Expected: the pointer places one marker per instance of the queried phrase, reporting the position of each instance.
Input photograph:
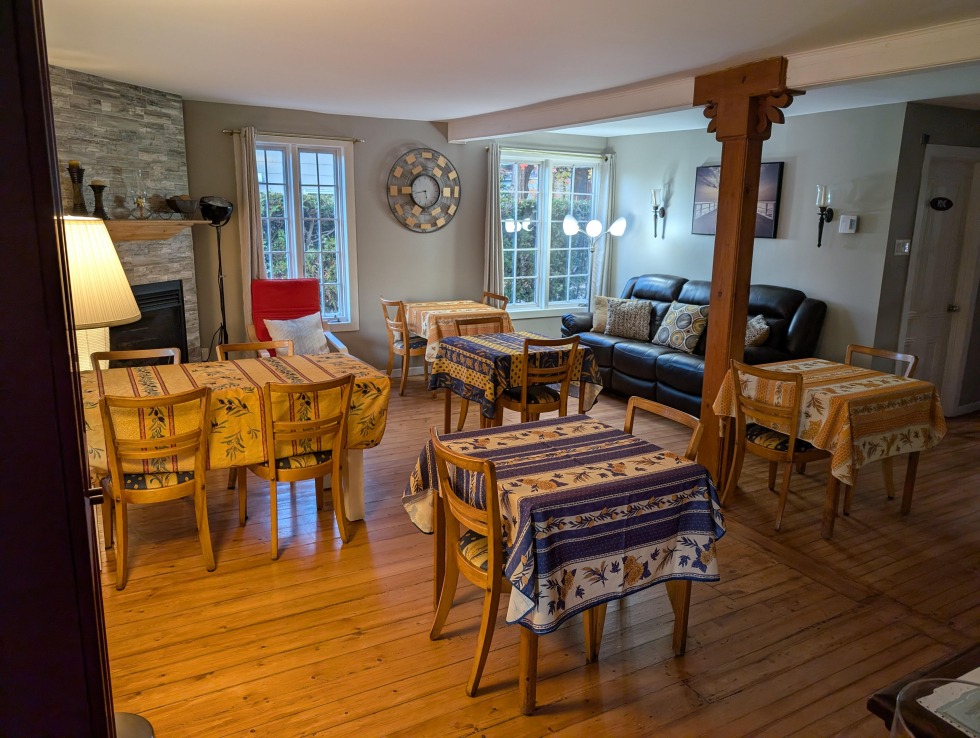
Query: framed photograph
(706, 200)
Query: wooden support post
(742, 104)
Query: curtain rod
(584, 154)
(232, 131)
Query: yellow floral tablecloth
(857, 414)
(435, 320)
(236, 437)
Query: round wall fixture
(423, 190)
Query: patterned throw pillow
(601, 314)
(756, 331)
(629, 319)
(682, 326)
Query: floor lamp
(100, 293)
(217, 210)
(593, 231)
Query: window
(543, 268)
(306, 205)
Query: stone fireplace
(162, 323)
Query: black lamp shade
(215, 209)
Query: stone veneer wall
(114, 130)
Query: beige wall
(855, 152)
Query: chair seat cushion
(414, 342)
(301, 461)
(537, 394)
(774, 440)
(473, 548)
(156, 480)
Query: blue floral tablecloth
(589, 513)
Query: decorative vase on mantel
(76, 174)
(98, 187)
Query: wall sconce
(659, 211)
(826, 213)
(515, 226)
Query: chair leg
(232, 477)
(203, 528)
(773, 468)
(391, 363)
(734, 473)
(449, 580)
(242, 495)
(339, 509)
(464, 406)
(274, 518)
(122, 542)
(401, 390)
(319, 484)
(783, 494)
(107, 515)
(487, 624)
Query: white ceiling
(440, 60)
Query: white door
(942, 280)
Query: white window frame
(547, 160)
(346, 235)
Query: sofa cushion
(685, 372)
(601, 345)
(654, 287)
(756, 331)
(682, 326)
(601, 314)
(629, 319)
(638, 359)
(695, 292)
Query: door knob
(952, 308)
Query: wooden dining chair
(260, 348)
(135, 355)
(779, 404)
(156, 451)
(495, 300)
(305, 429)
(473, 539)
(910, 362)
(678, 416)
(471, 327)
(401, 341)
(534, 395)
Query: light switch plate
(848, 224)
(902, 247)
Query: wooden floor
(332, 640)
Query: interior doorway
(939, 316)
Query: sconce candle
(659, 211)
(826, 213)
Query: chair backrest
(557, 372)
(460, 508)
(157, 435)
(135, 357)
(775, 401)
(495, 300)
(282, 299)
(670, 413)
(303, 418)
(479, 326)
(262, 348)
(911, 360)
(394, 314)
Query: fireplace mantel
(148, 230)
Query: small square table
(590, 514)
(436, 320)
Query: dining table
(480, 368)
(590, 514)
(236, 436)
(858, 415)
(437, 320)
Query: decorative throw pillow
(756, 331)
(629, 319)
(306, 333)
(682, 326)
(600, 315)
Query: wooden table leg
(679, 593)
(595, 619)
(528, 670)
(830, 502)
(438, 550)
(448, 412)
(910, 470)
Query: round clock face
(423, 190)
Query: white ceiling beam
(925, 48)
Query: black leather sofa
(661, 373)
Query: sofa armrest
(572, 323)
(804, 330)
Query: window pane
(557, 289)
(583, 179)
(327, 208)
(578, 261)
(331, 303)
(526, 263)
(280, 268)
(311, 235)
(577, 289)
(558, 262)
(524, 289)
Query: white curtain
(249, 222)
(493, 268)
(602, 261)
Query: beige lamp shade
(100, 293)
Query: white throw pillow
(306, 333)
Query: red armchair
(285, 299)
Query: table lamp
(100, 293)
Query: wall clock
(423, 190)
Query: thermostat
(848, 224)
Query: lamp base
(88, 342)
